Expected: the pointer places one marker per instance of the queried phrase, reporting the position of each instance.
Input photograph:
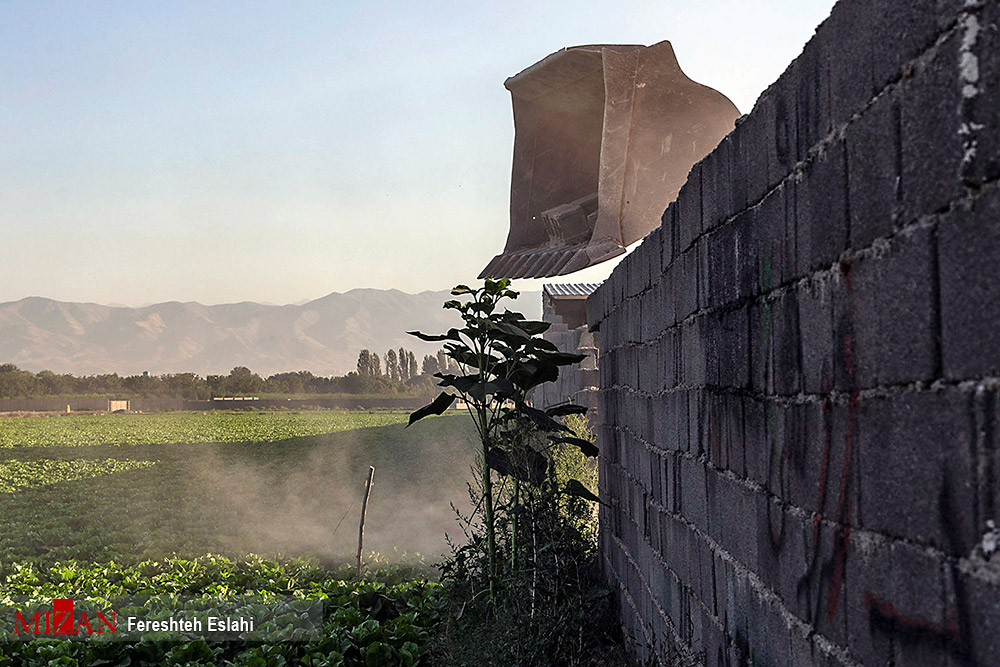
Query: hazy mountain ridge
(322, 336)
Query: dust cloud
(304, 496)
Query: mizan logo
(62, 621)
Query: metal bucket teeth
(555, 257)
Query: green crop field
(138, 502)
(187, 427)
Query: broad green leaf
(512, 330)
(586, 446)
(497, 287)
(432, 338)
(530, 374)
(497, 387)
(542, 420)
(436, 407)
(566, 409)
(464, 383)
(485, 308)
(535, 327)
(542, 344)
(464, 355)
(564, 358)
(575, 488)
(530, 469)
(504, 388)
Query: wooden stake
(364, 511)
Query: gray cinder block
(969, 252)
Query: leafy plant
(501, 357)
(552, 608)
(16, 475)
(377, 621)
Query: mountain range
(323, 336)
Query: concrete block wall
(798, 403)
(578, 383)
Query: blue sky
(275, 151)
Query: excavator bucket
(604, 138)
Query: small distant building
(118, 405)
(565, 307)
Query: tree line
(402, 366)
(393, 374)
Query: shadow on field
(286, 497)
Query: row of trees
(241, 381)
(401, 366)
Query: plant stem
(534, 561)
(514, 522)
(491, 544)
